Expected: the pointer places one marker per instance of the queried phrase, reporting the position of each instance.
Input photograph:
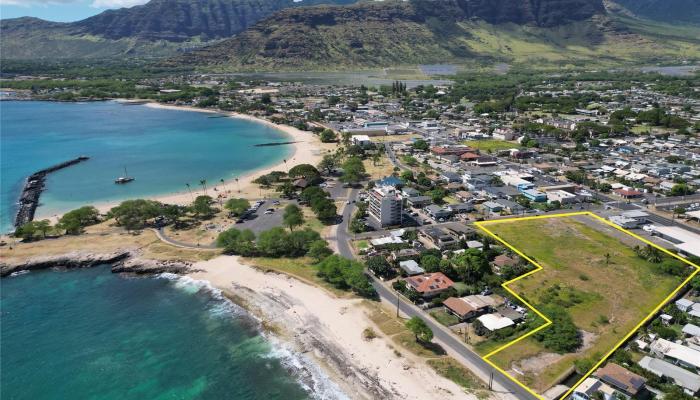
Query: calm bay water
(162, 149)
(91, 334)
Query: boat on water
(124, 179)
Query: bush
(379, 266)
(319, 250)
(237, 206)
(345, 274)
(134, 214)
(562, 336)
(238, 242)
(33, 230)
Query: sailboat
(124, 179)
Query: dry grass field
(592, 271)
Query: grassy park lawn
(491, 146)
(606, 297)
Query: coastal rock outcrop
(76, 259)
(121, 261)
(146, 266)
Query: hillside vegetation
(158, 28)
(450, 31)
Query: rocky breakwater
(121, 261)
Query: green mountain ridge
(158, 28)
(265, 35)
(446, 31)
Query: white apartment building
(385, 206)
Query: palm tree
(203, 182)
(189, 189)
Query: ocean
(91, 334)
(163, 149)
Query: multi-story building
(385, 206)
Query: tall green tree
(74, 221)
(237, 206)
(353, 170)
(202, 206)
(293, 216)
(420, 329)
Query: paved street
(444, 337)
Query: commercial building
(385, 206)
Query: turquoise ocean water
(91, 334)
(162, 149)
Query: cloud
(117, 3)
(95, 3)
(28, 3)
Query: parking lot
(260, 221)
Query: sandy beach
(329, 330)
(306, 150)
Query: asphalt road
(449, 342)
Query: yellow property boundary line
(548, 322)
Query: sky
(60, 10)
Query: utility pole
(491, 381)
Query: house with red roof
(429, 285)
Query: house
(691, 330)
(561, 196)
(449, 177)
(429, 285)
(534, 195)
(405, 254)
(437, 213)
(511, 206)
(684, 305)
(622, 380)
(475, 244)
(494, 322)
(463, 196)
(628, 193)
(439, 238)
(503, 260)
(469, 307)
(687, 380)
(360, 140)
(385, 241)
(492, 207)
(411, 267)
(460, 208)
(419, 201)
(456, 150)
(390, 181)
(589, 387)
(408, 192)
(679, 354)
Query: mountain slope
(671, 11)
(438, 31)
(157, 28)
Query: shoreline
(241, 186)
(329, 331)
(322, 334)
